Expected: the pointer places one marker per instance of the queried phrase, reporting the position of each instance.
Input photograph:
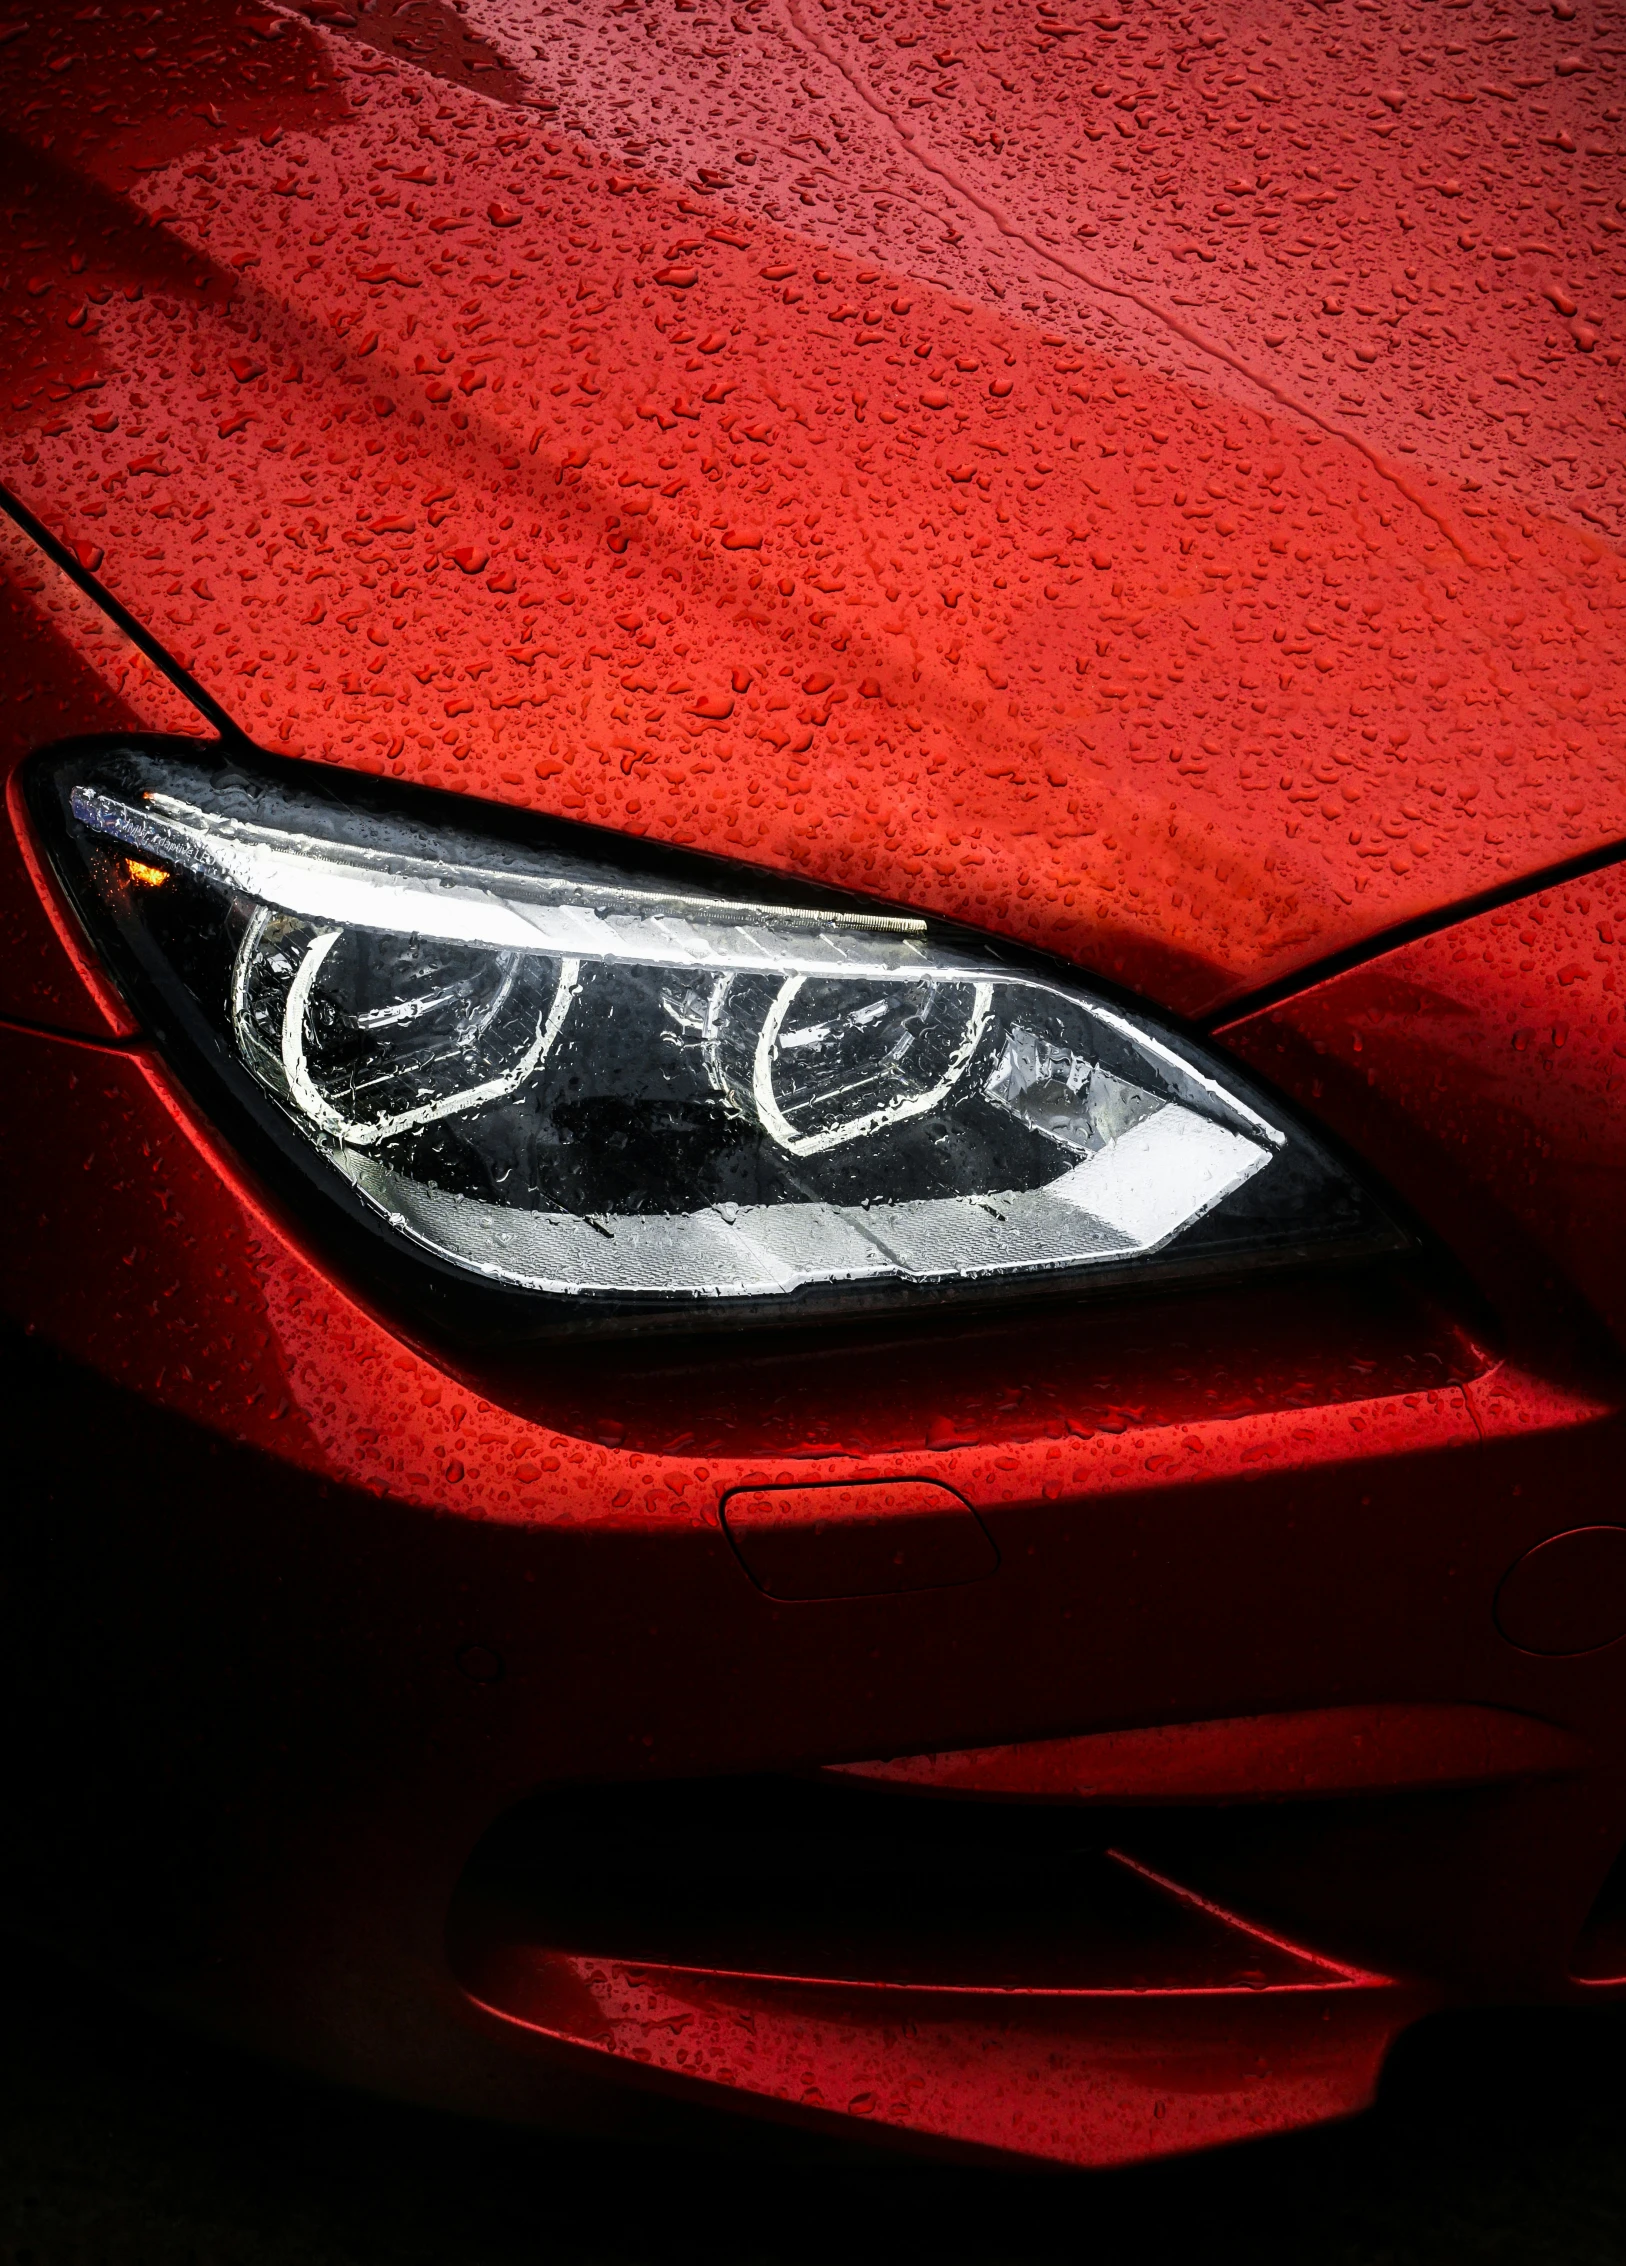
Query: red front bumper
(304, 1620)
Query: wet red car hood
(1148, 490)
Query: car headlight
(563, 1063)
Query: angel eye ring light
(580, 1081)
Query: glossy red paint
(501, 403)
(1111, 2071)
(1479, 1070)
(1148, 630)
(69, 672)
(1258, 1758)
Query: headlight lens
(634, 1083)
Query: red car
(815, 1241)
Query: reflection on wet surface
(1145, 484)
(1498, 2138)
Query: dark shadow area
(783, 1876)
(1497, 2138)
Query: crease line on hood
(1316, 972)
(1109, 287)
(83, 578)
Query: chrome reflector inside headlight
(641, 1081)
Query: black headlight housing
(536, 1076)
